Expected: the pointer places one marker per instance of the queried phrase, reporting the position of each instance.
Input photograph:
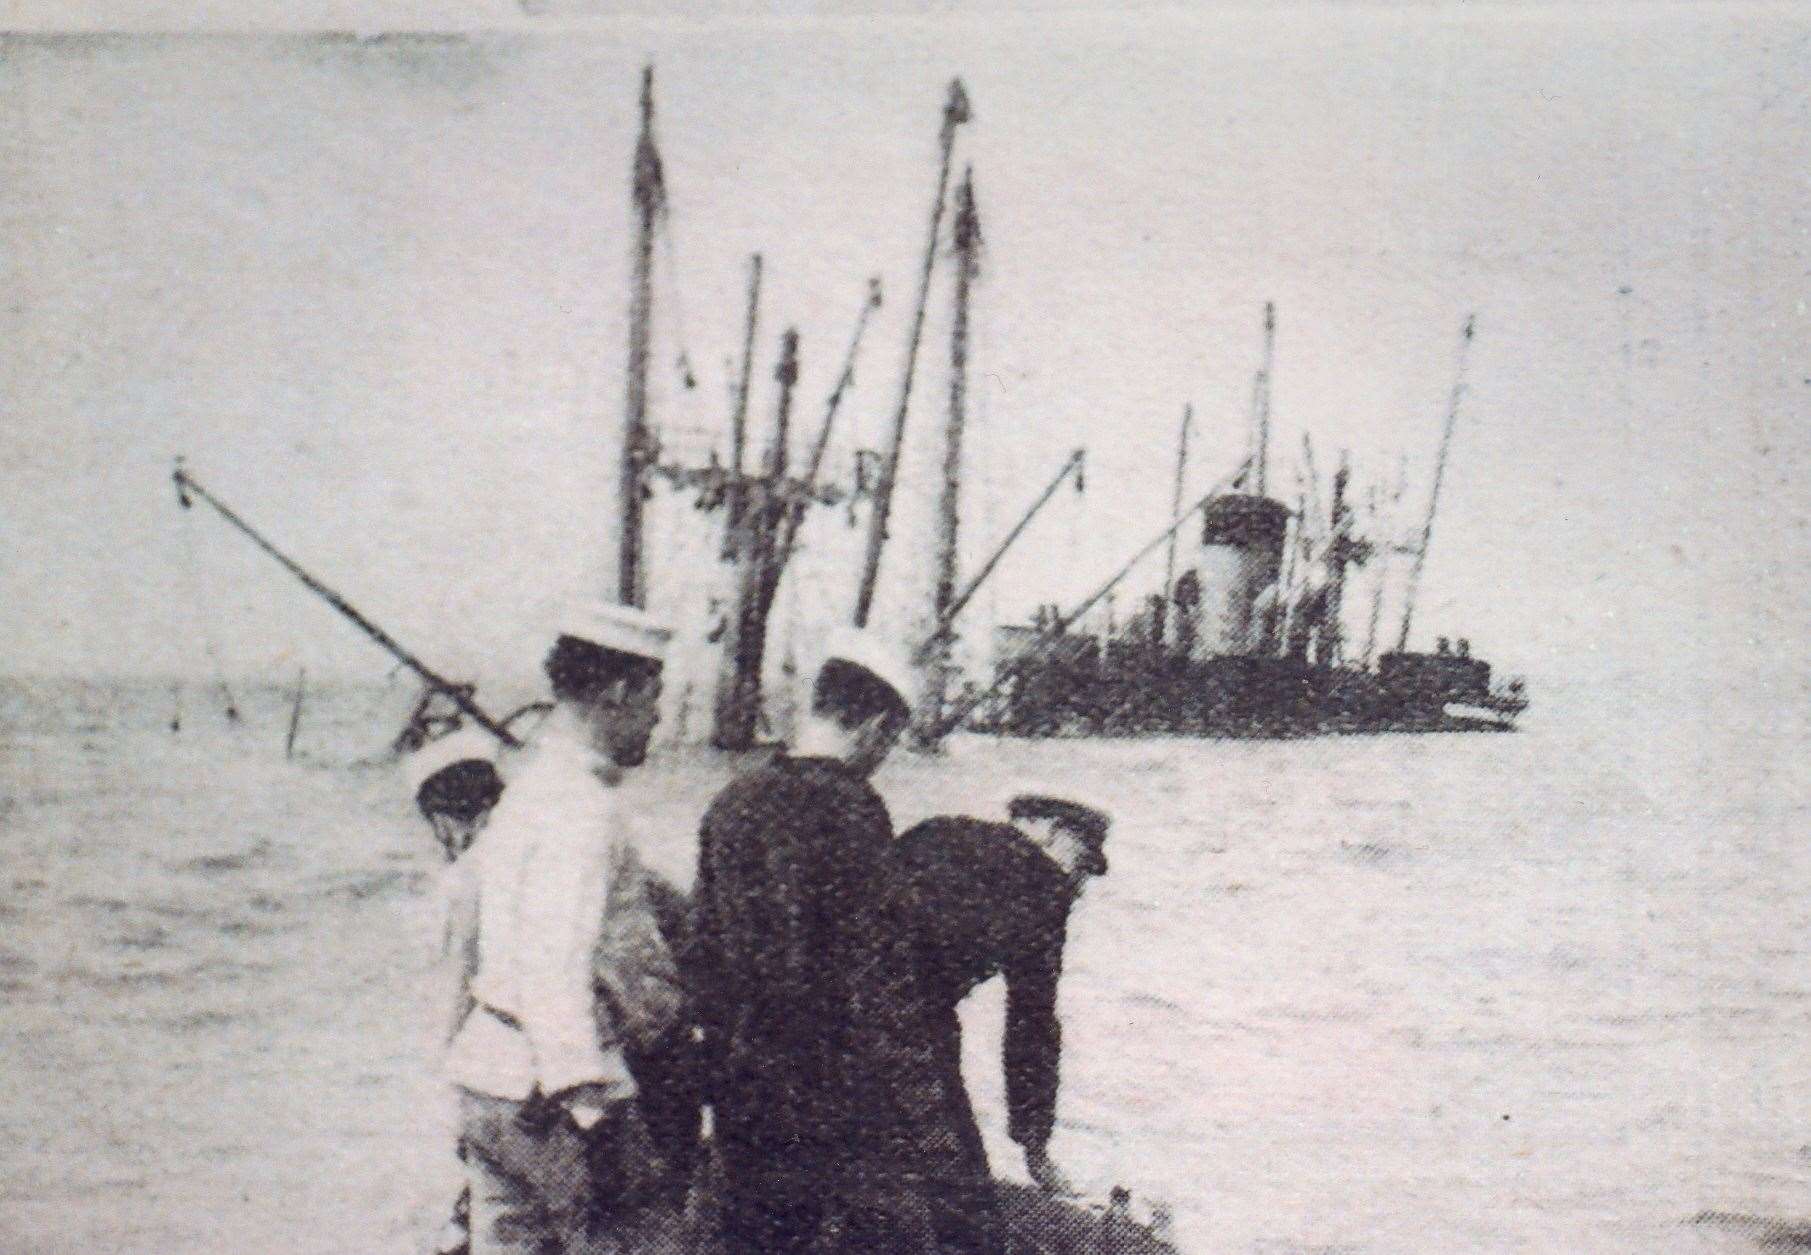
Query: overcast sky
(375, 289)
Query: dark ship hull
(1083, 690)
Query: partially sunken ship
(1247, 637)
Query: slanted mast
(1433, 497)
(955, 113)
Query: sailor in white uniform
(541, 1074)
(456, 783)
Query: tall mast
(1340, 552)
(1260, 438)
(738, 420)
(955, 113)
(1169, 562)
(649, 196)
(1290, 604)
(1391, 546)
(745, 649)
(1433, 499)
(968, 250)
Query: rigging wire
(204, 622)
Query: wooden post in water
(295, 714)
(968, 255)
(649, 196)
(955, 113)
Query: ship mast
(738, 419)
(801, 501)
(1073, 466)
(1433, 500)
(1392, 546)
(1342, 549)
(955, 113)
(1260, 402)
(1169, 562)
(763, 537)
(764, 512)
(968, 250)
(649, 197)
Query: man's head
(1071, 834)
(606, 669)
(457, 799)
(861, 701)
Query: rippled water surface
(1545, 992)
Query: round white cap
(625, 629)
(443, 751)
(888, 661)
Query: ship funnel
(1240, 560)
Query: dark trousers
(924, 1190)
(931, 1171)
(671, 1103)
(772, 1200)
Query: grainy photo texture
(996, 630)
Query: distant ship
(1242, 643)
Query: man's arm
(458, 948)
(564, 890)
(1034, 1045)
(702, 960)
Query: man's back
(781, 908)
(982, 900)
(977, 900)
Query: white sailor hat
(444, 751)
(887, 661)
(624, 629)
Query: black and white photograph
(905, 628)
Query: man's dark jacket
(783, 908)
(970, 900)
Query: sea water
(1544, 992)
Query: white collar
(566, 740)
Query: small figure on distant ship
(969, 900)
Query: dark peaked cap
(1086, 822)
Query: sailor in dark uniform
(783, 924)
(977, 899)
